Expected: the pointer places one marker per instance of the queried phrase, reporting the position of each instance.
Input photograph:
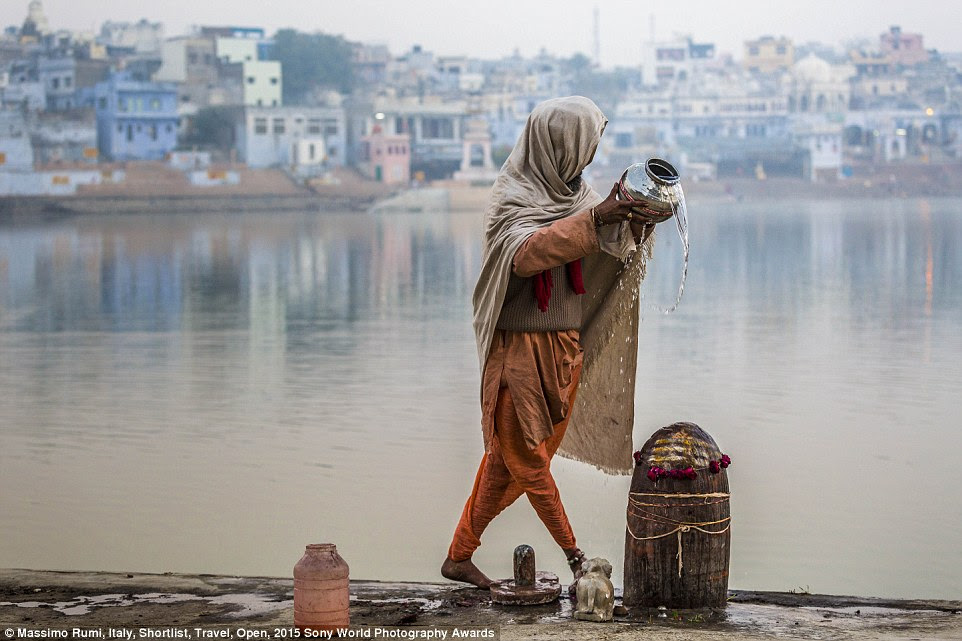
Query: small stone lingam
(528, 587)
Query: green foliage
(212, 128)
(606, 88)
(311, 61)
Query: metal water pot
(652, 181)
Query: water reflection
(208, 393)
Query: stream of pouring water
(680, 213)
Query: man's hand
(611, 210)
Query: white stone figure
(596, 594)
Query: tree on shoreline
(312, 61)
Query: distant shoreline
(459, 197)
(24, 209)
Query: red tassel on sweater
(542, 289)
(543, 283)
(575, 276)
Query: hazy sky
(496, 27)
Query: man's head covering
(536, 186)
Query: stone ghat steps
(46, 599)
(159, 179)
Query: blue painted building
(135, 120)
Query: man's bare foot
(466, 572)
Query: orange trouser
(509, 470)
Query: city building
(820, 137)
(813, 85)
(64, 137)
(191, 63)
(258, 82)
(63, 78)
(902, 48)
(670, 60)
(23, 90)
(135, 120)
(435, 128)
(386, 157)
(891, 134)
(16, 153)
(142, 38)
(370, 63)
(768, 54)
(35, 27)
(303, 139)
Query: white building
(665, 61)
(813, 85)
(303, 139)
(821, 136)
(16, 153)
(892, 134)
(143, 37)
(190, 62)
(260, 80)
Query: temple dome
(812, 69)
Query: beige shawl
(531, 191)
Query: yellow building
(768, 54)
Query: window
(120, 129)
(313, 125)
(404, 125)
(153, 132)
(753, 51)
(101, 103)
(437, 128)
(260, 125)
(169, 128)
(67, 81)
(122, 104)
(274, 81)
(130, 133)
(250, 80)
(55, 83)
(155, 104)
(330, 130)
(192, 58)
(780, 50)
(279, 125)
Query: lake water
(209, 393)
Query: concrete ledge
(45, 599)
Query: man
(529, 315)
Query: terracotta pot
(321, 594)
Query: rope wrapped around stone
(681, 527)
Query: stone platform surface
(181, 605)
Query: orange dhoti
(510, 466)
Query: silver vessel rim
(661, 171)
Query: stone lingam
(528, 587)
